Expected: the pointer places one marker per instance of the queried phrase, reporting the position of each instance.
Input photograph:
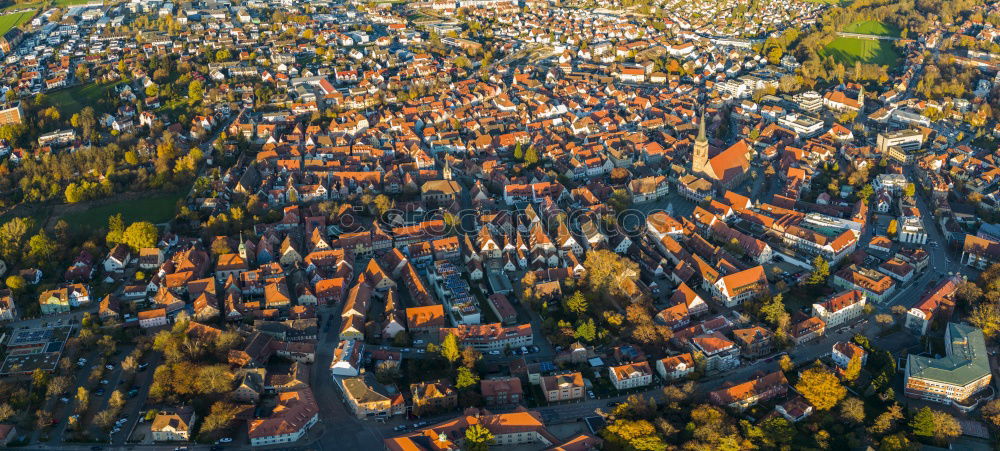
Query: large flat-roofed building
(809, 101)
(34, 349)
(907, 140)
(803, 125)
(958, 377)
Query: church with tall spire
(700, 157)
(727, 168)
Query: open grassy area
(40, 214)
(872, 27)
(156, 208)
(64, 3)
(8, 21)
(38, 5)
(73, 99)
(849, 50)
(21, 6)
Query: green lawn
(8, 21)
(63, 3)
(40, 214)
(849, 50)
(71, 100)
(20, 6)
(39, 5)
(157, 209)
(872, 27)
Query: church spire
(700, 151)
(701, 128)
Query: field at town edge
(71, 100)
(872, 27)
(847, 50)
(8, 21)
(156, 209)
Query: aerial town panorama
(490, 225)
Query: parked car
(225, 440)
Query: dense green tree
(576, 303)
(821, 388)
(41, 248)
(897, 442)
(852, 410)
(116, 230)
(639, 435)
(586, 331)
(82, 398)
(610, 274)
(923, 423)
(466, 378)
(887, 420)
(450, 350)
(196, 91)
(946, 427)
(774, 313)
(778, 431)
(531, 156)
(986, 316)
(140, 234)
(821, 270)
(221, 416)
(478, 438)
(470, 357)
(12, 236)
(853, 368)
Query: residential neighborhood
(525, 224)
